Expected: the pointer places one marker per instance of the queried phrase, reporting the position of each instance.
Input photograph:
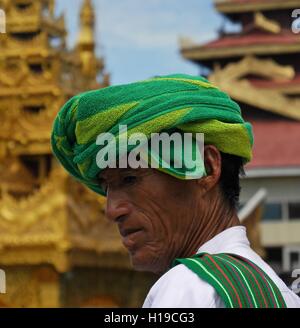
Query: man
(174, 221)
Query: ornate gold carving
(260, 20)
(22, 128)
(42, 219)
(10, 169)
(31, 287)
(233, 79)
(28, 17)
(60, 216)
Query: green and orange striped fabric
(238, 281)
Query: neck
(218, 217)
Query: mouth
(126, 232)
(131, 238)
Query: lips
(131, 238)
(126, 232)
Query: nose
(116, 206)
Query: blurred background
(56, 247)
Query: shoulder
(181, 287)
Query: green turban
(164, 103)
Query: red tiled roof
(255, 38)
(276, 144)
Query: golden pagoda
(56, 247)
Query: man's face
(155, 213)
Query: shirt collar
(226, 241)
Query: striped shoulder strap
(238, 281)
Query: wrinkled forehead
(110, 173)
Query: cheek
(153, 221)
(161, 217)
(162, 231)
(160, 211)
(148, 210)
(156, 227)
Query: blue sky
(139, 39)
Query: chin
(142, 263)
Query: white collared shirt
(180, 287)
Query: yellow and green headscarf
(164, 103)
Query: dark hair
(232, 167)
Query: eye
(129, 180)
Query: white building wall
(279, 189)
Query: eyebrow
(120, 171)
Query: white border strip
(272, 172)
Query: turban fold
(164, 103)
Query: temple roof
(273, 146)
(288, 86)
(240, 6)
(238, 45)
(261, 84)
(32, 16)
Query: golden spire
(86, 40)
(51, 7)
(87, 20)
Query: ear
(212, 162)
